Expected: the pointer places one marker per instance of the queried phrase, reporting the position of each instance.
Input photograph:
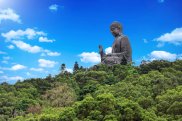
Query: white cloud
(179, 56)
(15, 67)
(34, 49)
(5, 61)
(30, 75)
(50, 53)
(16, 39)
(69, 70)
(162, 55)
(22, 34)
(3, 53)
(174, 37)
(13, 78)
(53, 54)
(6, 58)
(108, 50)
(9, 14)
(1, 72)
(10, 46)
(26, 47)
(46, 63)
(53, 7)
(45, 39)
(37, 69)
(91, 57)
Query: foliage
(60, 96)
(149, 92)
(170, 102)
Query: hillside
(149, 92)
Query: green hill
(149, 92)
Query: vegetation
(149, 92)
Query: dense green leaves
(150, 92)
(170, 102)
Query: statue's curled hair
(116, 24)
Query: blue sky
(37, 36)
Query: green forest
(148, 92)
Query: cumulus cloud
(3, 53)
(108, 50)
(37, 69)
(90, 57)
(50, 53)
(69, 70)
(10, 46)
(9, 14)
(15, 67)
(16, 37)
(53, 54)
(174, 37)
(53, 7)
(22, 34)
(26, 47)
(162, 55)
(179, 57)
(6, 58)
(46, 63)
(45, 39)
(13, 78)
(5, 61)
(33, 49)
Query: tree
(34, 109)
(60, 96)
(49, 78)
(76, 67)
(150, 92)
(63, 68)
(170, 102)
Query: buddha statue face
(115, 29)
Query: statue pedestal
(113, 58)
